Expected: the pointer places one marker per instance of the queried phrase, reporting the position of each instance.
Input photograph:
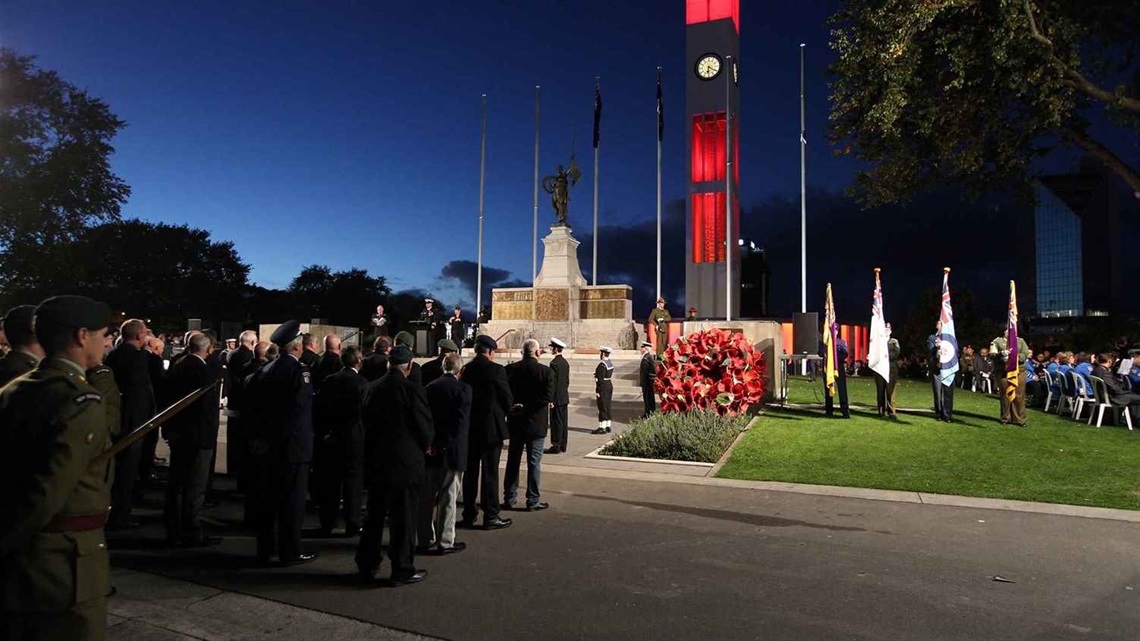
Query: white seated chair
(986, 381)
(1081, 395)
(1100, 393)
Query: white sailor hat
(646, 344)
(605, 349)
(554, 342)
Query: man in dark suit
(329, 362)
(280, 400)
(309, 356)
(560, 370)
(450, 403)
(532, 388)
(26, 351)
(338, 452)
(407, 340)
(192, 435)
(1118, 394)
(646, 377)
(129, 363)
(434, 369)
(436, 325)
(491, 400)
(237, 362)
(376, 365)
(156, 369)
(398, 431)
(840, 379)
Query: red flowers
(711, 370)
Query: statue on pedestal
(558, 186)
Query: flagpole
(728, 240)
(482, 175)
(594, 268)
(534, 257)
(659, 120)
(803, 197)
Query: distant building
(754, 280)
(1083, 234)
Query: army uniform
(1011, 412)
(54, 565)
(659, 325)
(17, 362)
(604, 391)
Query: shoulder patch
(307, 376)
(83, 398)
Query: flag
(878, 358)
(660, 109)
(830, 341)
(948, 350)
(597, 112)
(1011, 338)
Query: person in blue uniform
(646, 377)
(943, 394)
(559, 427)
(840, 380)
(604, 391)
(280, 397)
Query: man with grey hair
(132, 375)
(532, 387)
(329, 362)
(450, 402)
(237, 363)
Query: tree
(167, 273)
(973, 92)
(55, 175)
(345, 298)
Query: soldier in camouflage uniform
(999, 349)
(54, 567)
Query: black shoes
(496, 523)
(454, 549)
(537, 506)
(600, 430)
(506, 506)
(465, 524)
(553, 450)
(408, 579)
(304, 558)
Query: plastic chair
(1051, 382)
(1081, 397)
(1068, 394)
(987, 382)
(1100, 393)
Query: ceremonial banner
(877, 357)
(948, 351)
(830, 341)
(1014, 358)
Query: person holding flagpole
(1012, 349)
(834, 354)
(878, 356)
(943, 346)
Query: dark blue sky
(347, 133)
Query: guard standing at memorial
(54, 566)
(432, 316)
(840, 380)
(659, 325)
(646, 378)
(280, 399)
(604, 391)
(559, 428)
(999, 348)
(26, 351)
(943, 394)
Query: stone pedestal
(560, 260)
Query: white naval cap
(554, 342)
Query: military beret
(486, 341)
(605, 350)
(448, 345)
(405, 339)
(399, 355)
(19, 318)
(554, 342)
(285, 334)
(74, 311)
(646, 344)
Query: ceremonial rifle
(145, 428)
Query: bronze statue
(558, 186)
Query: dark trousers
(884, 395)
(186, 491)
(559, 427)
(482, 469)
(235, 448)
(425, 501)
(943, 399)
(841, 392)
(515, 448)
(335, 479)
(280, 508)
(398, 506)
(605, 392)
(122, 491)
(648, 400)
(146, 460)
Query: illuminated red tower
(712, 47)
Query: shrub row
(701, 436)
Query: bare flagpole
(482, 175)
(729, 242)
(534, 258)
(597, 116)
(803, 197)
(659, 123)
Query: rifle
(145, 428)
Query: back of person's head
(19, 326)
(530, 348)
(199, 344)
(1104, 358)
(382, 345)
(248, 338)
(260, 348)
(351, 357)
(482, 349)
(272, 352)
(452, 363)
(309, 341)
(132, 329)
(332, 343)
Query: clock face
(708, 66)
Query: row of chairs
(1074, 397)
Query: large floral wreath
(711, 370)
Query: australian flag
(660, 109)
(948, 350)
(597, 113)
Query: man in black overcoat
(559, 427)
(450, 401)
(338, 452)
(491, 400)
(132, 374)
(532, 388)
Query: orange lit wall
(857, 337)
(708, 227)
(708, 10)
(708, 147)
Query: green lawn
(1054, 459)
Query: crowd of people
(369, 439)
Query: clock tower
(712, 48)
